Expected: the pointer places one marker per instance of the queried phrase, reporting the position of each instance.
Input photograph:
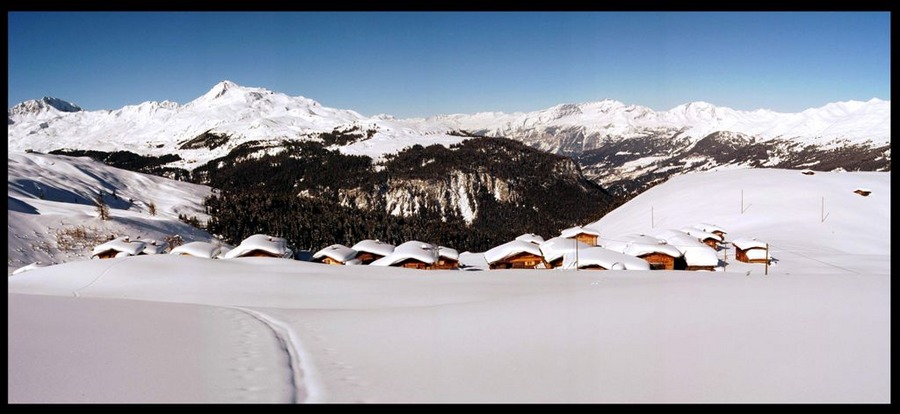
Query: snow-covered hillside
(167, 329)
(781, 207)
(51, 206)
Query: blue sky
(419, 64)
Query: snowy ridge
(852, 120)
(248, 113)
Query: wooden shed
(863, 192)
(585, 235)
(369, 251)
(516, 254)
(336, 254)
(750, 251)
(119, 247)
(261, 245)
(415, 254)
(448, 259)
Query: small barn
(336, 254)
(711, 228)
(705, 237)
(261, 245)
(119, 247)
(413, 254)
(807, 172)
(598, 258)
(368, 251)
(448, 259)
(750, 251)
(531, 238)
(199, 249)
(655, 251)
(696, 255)
(585, 235)
(863, 191)
(516, 254)
(554, 249)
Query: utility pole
(823, 209)
(576, 254)
(767, 259)
(742, 201)
(652, 220)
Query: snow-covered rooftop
(695, 252)
(155, 247)
(509, 249)
(558, 246)
(710, 228)
(413, 249)
(745, 243)
(121, 245)
(605, 258)
(337, 252)
(448, 253)
(701, 234)
(374, 246)
(275, 246)
(201, 249)
(531, 238)
(574, 231)
(638, 245)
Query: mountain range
(625, 148)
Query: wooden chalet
(585, 235)
(336, 254)
(750, 251)
(369, 251)
(516, 254)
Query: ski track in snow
(305, 388)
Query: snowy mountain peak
(220, 89)
(44, 104)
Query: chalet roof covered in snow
(639, 245)
(155, 247)
(695, 252)
(574, 231)
(510, 249)
(374, 246)
(413, 249)
(122, 245)
(337, 252)
(201, 249)
(701, 234)
(448, 253)
(531, 238)
(558, 246)
(744, 244)
(605, 258)
(709, 228)
(275, 246)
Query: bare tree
(102, 207)
(151, 207)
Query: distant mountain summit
(45, 104)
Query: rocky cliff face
(458, 194)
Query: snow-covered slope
(52, 217)
(781, 207)
(817, 329)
